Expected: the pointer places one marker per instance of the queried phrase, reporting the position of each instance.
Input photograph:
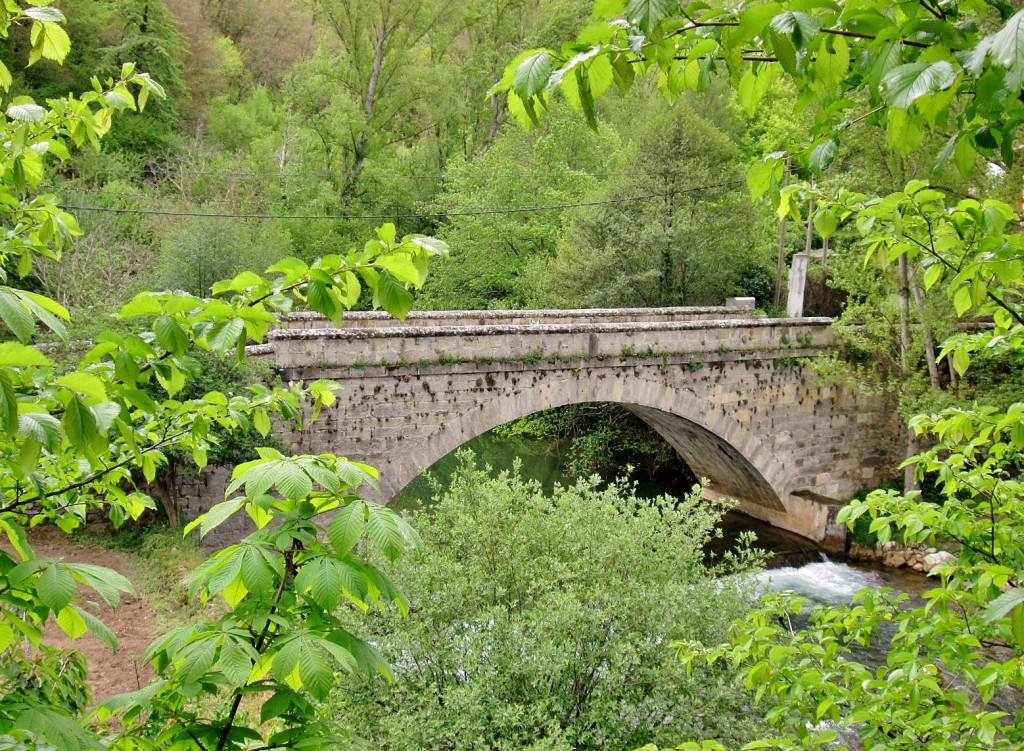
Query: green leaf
(401, 267)
(13, 354)
(385, 532)
(315, 671)
(822, 155)
(825, 222)
(293, 483)
(55, 586)
(16, 315)
(962, 300)
(223, 336)
(196, 659)
(801, 27)
(906, 83)
(647, 15)
(261, 421)
(71, 622)
(216, 516)
(320, 299)
(392, 296)
(752, 21)
(49, 40)
(58, 729)
(784, 51)
(169, 376)
(1003, 604)
(83, 383)
(6, 636)
(143, 304)
(831, 67)
(8, 405)
(171, 336)
(532, 74)
(79, 423)
(1017, 625)
(324, 579)
(45, 13)
(346, 527)
(1006, 47)
(236, 661)
(762, 176)
(961, 360)
(27, 113)
(109, 584)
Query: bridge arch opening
(705, 449)
(729, 471)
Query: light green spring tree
(951, 68)
(85, 435)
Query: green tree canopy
(691, 240)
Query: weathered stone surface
(731, 395)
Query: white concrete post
(797, 283)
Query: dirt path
(133, 622)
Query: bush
(544, 622)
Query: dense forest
(262, 157)
(293, 128)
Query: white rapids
(825, 581)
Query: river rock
(937, 559)
(895, 559)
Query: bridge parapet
(698, 340)
(379, 319)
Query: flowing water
(835, 583)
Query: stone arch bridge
(731, 392)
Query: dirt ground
(133, 622)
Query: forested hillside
(293, 128)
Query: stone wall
(733, 397)
(192, 493)
(324, 349)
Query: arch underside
(711, 443)
(710, 456)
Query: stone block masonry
(732, 393)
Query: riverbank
(896, 555)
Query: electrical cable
(412, 215)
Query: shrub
(542, 621)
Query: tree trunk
(909, 481)
(904, 286)
(781, 265)
(809, 244)
(360, 149)
(929, 338)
